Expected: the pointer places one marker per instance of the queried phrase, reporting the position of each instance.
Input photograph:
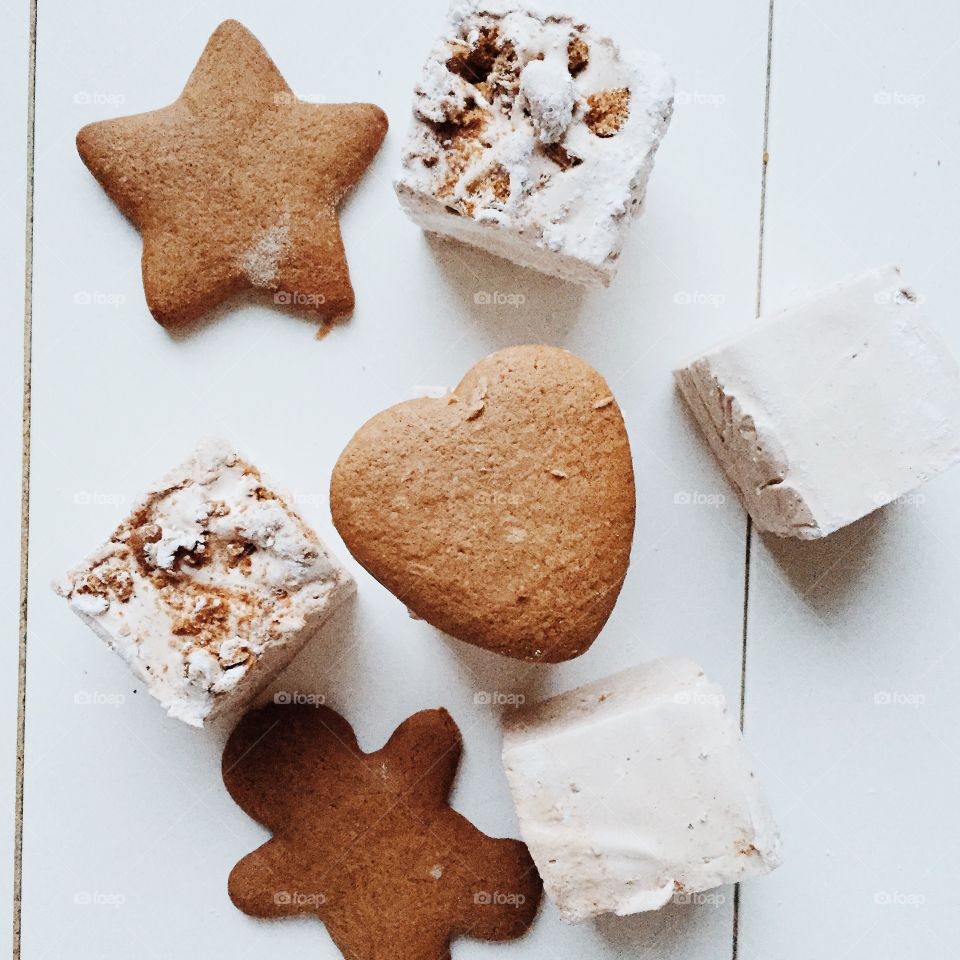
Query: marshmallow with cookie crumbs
(533, 137)
(209, 588)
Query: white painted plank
(854, 668)
(128, 824)
(14, 50)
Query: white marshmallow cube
(831, 409)
(636, 790)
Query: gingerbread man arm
(270, 883)
(425, 751)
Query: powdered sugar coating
(509, 151)
(549, 96)
(210, 587)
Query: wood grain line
(758, 304)
(25, 481)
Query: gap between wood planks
(748, 539)
(25, 479)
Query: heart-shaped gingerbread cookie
(502, 513)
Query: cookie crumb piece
(608, 111)
(559, 154)
(578, 56)
(475, 63)
(602, 402)
(492, 184)
(559, 474)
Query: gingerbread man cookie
(367, 841)
(236, 185)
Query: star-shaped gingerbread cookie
(367, 842)
(236, 185)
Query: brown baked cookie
(502, 513)
(236, 184)
(366, 841)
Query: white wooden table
(847, 649)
